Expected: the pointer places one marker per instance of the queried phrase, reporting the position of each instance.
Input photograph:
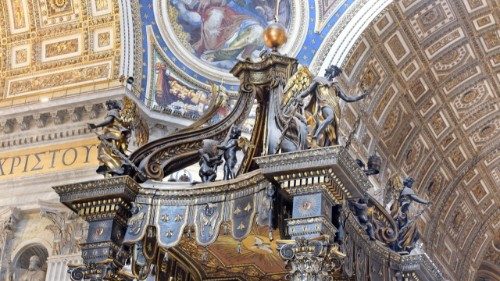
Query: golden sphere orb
(275, 36)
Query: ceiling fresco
(217, 34)
(432, 68)
(54, 48)
(194, 43)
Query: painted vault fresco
(174, 96)
(189, 44)
(221, 31)
(172, 93)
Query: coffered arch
(52, 49)
(432, 68)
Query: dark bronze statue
(361, 212)
(114, 142)
(339, 218)
(230, 148)
(209, 161)
(408, 233)
(324, 106)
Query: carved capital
(106, 206)
(9, 217)
(69, 230)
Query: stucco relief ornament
(68, 231)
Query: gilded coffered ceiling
(54, 48)
(433, 70)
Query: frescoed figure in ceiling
(221, 31)
(173, 94)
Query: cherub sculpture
(209, 160)
(361, 213)
(114, 142)
(408, 233)
(230, 148)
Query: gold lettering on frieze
(61, 48)
(59, 79)
(48, 159)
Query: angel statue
(322, 111)
(408, 233)
(209, 160)
(230, 148)
(361, 212)
(114, 142)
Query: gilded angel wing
(392, 189)
(128, 111)
(130, 117)
(296, 84)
